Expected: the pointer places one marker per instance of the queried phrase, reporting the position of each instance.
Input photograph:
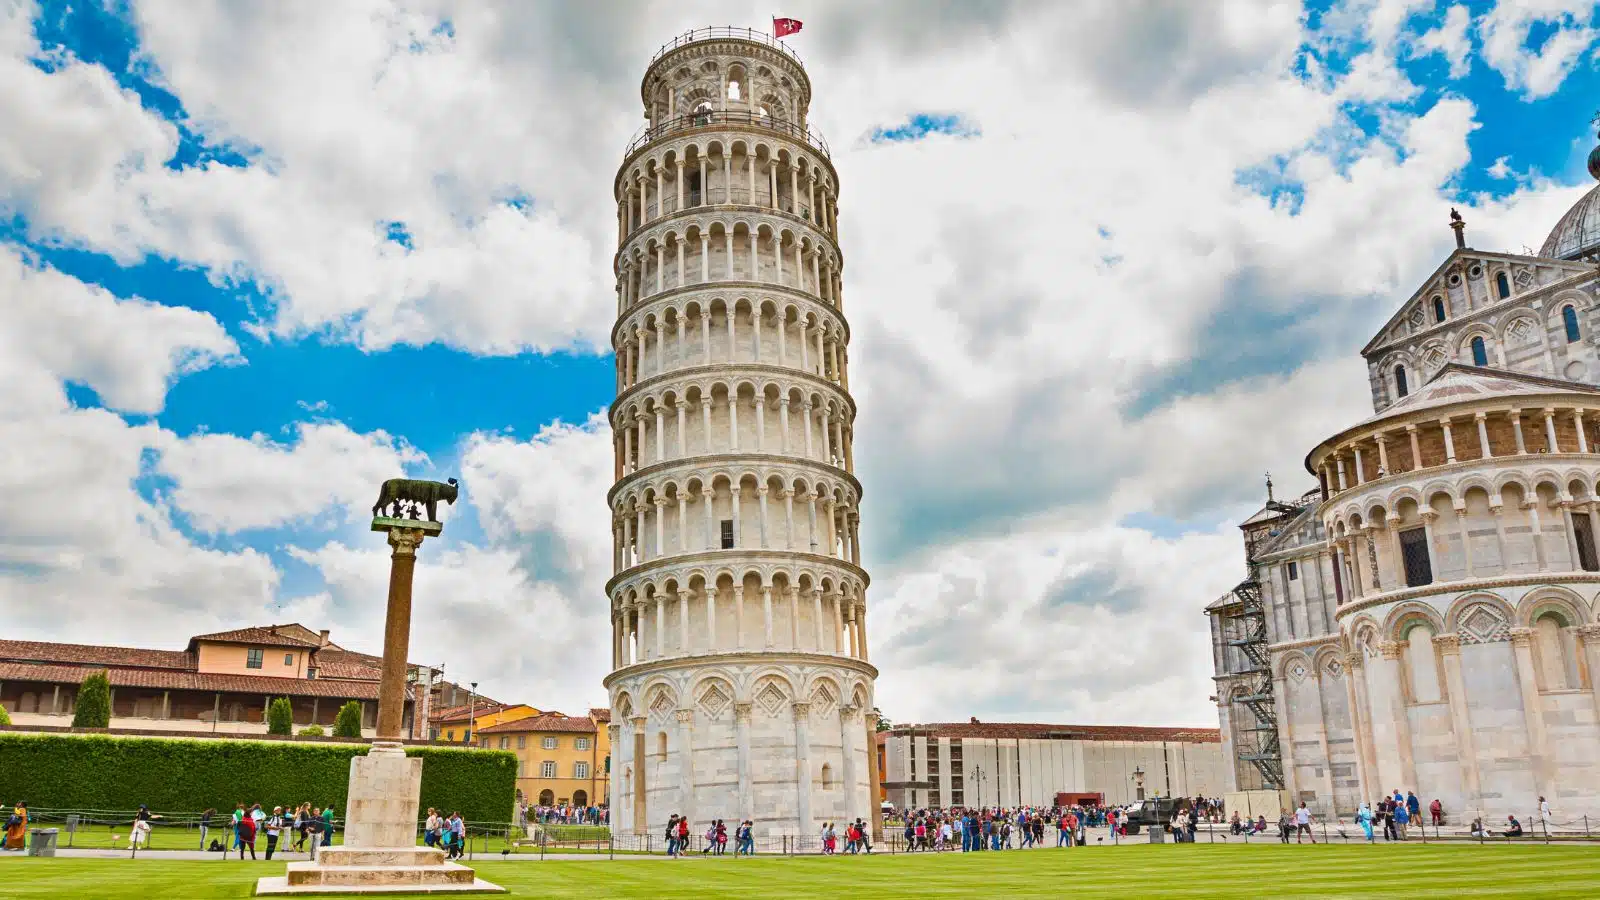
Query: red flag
(783, 27)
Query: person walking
(1544, 815)
(1402, 819)
(672, 835)
(747, 841)
(205, 824)
(327, 826)
(1285, 825)
(274, 825)
(1436, 811)
(247, 835)
(1302, 823)
(1364, 819)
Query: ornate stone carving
(1447, 643)
(1482, 624)
(1521, 637)
(741, 712)
(685, 717)
(801, 708)
(714, 700)
(1353, 660)
(1391, 649)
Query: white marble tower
(740, 685)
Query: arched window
(1569, 318)
(736, 89)
(1422, 668)
(1557, 657)
(1438, 309)
(661, 745)
(702, 113)
(827, 777)
(1400, 387)
(1502, 284)
(1480, 353)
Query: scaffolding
(1259, 745)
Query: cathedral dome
(1577, 235)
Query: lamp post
(472, 722)
(1138, 782)
(979, 776)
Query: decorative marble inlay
(771, 699)
(1297, 672)
(1521, 331)
(714, 700)
(1483, 625)
(1335, 668)
(661, 704)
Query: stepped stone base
(379, 855)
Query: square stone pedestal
(380, 853)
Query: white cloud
(1450, 40)
(1141, 287)
(225, 484)
(1536, 71)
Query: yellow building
(452, 726)
(560, 759)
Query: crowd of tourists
(447, 833)
(715, 838)
(302, 827)
(563, 814)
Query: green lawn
(1232, 872)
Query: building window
(727, 534)
(547, 769)
(1423, 666)
(252, 658)
(450, 735)
(522, 768)
(1480, 353)
(288, 659)
(1400, 386)
(1583, 536)
(1569, 318)
(1414, 550)
(1438, 309)
(522, 742)
(505, 742)
(483, 743)
(1503, 285)
(1294, 571)
(581, 770)
(548, 743)
(582, 743)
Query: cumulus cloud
(1567, 32)
(1137, 281)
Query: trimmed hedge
(174, 775)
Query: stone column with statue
(380, 852)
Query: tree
(94, 702)
(312, 731)
(280, 717)
(349, 722)
(883, 721)
(4, 718)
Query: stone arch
(772, 692)
(1282, 665)
(1480, 618)
(1404, 615)
(713, 694)
(1548, 598)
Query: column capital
(615, 731)
(1391, 649)
(1445, 421)
(1549, 411)
(1589, 634)
(1354, 660)
(1429, 516)
(870, 715)
(685, 716)
(1521, 637)
(637, 722)
(1480, 416)
(1411, 429)
(847, 712)
(801, 708)
(741, 712)
(405, 541)
(659, 502)
(1448, 643)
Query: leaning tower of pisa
(740, 687)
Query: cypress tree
(94, 702)
(280, 717)
(348, 724)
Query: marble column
(847, 768)
(686, 764)
(741, 718)
(1448, 646)
(875, 814)
(1394, 673)
(802, 763)
(1322, 741)
(1589, 637)
(1361, 720)
(640, 822)
(1291, 780)
(1532, 711)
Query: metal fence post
(1585, 828)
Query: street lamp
(979, 776)
(1138, 782)
(472, 722)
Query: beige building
(741, 686)
(561, 759)
(1425, 618)
(986, 764)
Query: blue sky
(388, 227)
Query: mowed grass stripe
(1224, 871)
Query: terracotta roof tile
(1011, 730)
(254, 635)
(460, 713)
(347, 671)
(193, 681)
(44, 652)
(547, 722)
(600, 714)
